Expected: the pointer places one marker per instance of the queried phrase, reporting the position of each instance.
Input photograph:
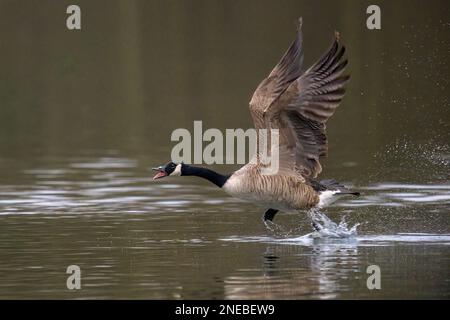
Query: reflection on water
(318, 273)
(181, 238)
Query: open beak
(161, 173)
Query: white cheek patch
(177, 171)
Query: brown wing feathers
(318, 92)
(284, 73)
(309, 102)
(300, 104)
(290, 65)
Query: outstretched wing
(299, 105)
(302, 110)
(284, 73)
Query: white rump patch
(327, 197)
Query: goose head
(169, 169)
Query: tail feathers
(334, 185)
(355, 193)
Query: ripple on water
(313, 239)
(396, 194)
(115, 184)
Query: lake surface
(181, 238)
(85, 115)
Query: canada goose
(298, 104)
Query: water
(182, 238)
(85, 115)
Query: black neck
(216, 178)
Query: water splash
(408, 161)
(326, 228)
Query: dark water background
(84, 114)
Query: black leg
(269, 214)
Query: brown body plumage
(298, 104)
(282, 192)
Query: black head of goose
(297, 103)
